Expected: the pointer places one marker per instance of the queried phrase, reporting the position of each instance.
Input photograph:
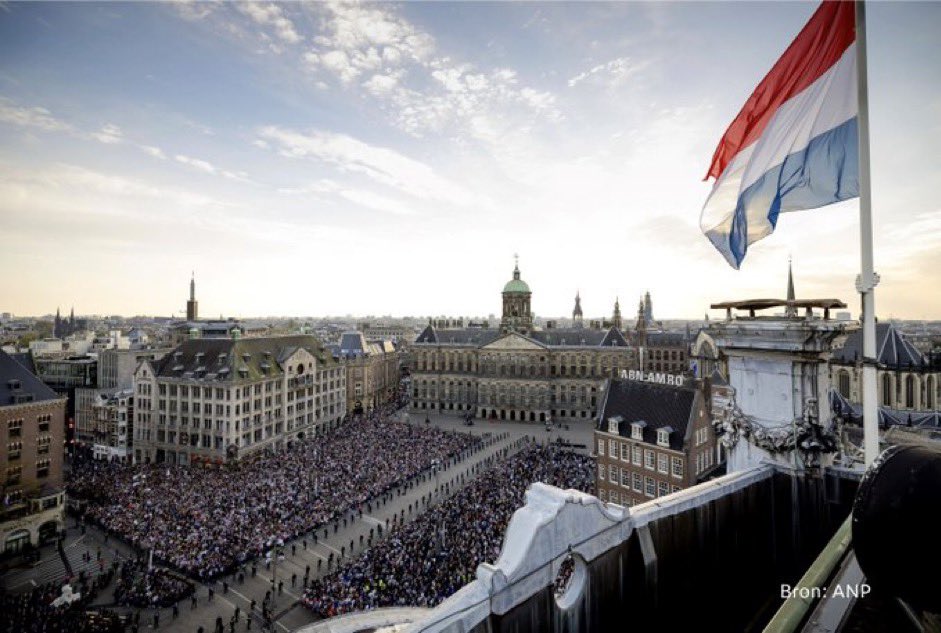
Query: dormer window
(663, 436)
(637, 430)
(614, 425)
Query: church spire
(616, 320)
(192, 306)
(791, 310)
(577, 312)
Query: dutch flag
(794, 144)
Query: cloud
(610, 73)
(194, 10)
(266, 13)
(108, 134)
(156, 152)
(79, 182)
(385, 166)
(208, 168)
(377, 202)
(36, 117)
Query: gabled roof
(19, 384)
(658, 406)
(892, 348)
(614, 338)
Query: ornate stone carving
(805, 433)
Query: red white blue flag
(794, 144)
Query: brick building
(653, 439)
(32, 431)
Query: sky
(390, 159)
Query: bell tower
(517, 315)
(192, 307)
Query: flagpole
(867, 280)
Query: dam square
(373, 317)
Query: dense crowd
(139, 587)
(206, 522)
(424, 562)
(35, 612)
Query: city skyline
(341, 159)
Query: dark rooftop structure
(652, 405)
(893, 350)
(18, 385)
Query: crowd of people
(423, 562)
(138, 586)
(206, 522)
(36, 612)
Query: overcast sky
(311, 159)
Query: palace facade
(517, 371)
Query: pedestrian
(280, 587)
(211, 594)
(238, 612)
(225, 587)
(305, 543)
(176, 610)
(193, 601)
(293, 549)
(293, 580)
(156, 619)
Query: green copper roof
(516, 285)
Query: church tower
(641, 326)
(648, 308)
(577, 312)
(192, 307)
(616, 318)
(791, 311)
(517, 315)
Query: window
(613, 474)
(601, 447)
(42, 445)
(15, 428)
(650, 486)
(910, 392)
(663, 463)
(649, 457)
(625, 452)
(635, 455)
(603, 494)
(625, 478)
(678, 467)
(663, 437)
(663, 489)
(14, 450)
(637, 430)
(637, 483)
(612, 449)
(13, 475)
(601, 473)
(43, 422)
(844, 383)
(42, 468)
(886, 389)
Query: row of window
(15, 472)
(15, 427)
(632, 453)
(626, 499)
(622, 476)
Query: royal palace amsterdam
(524, 373)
